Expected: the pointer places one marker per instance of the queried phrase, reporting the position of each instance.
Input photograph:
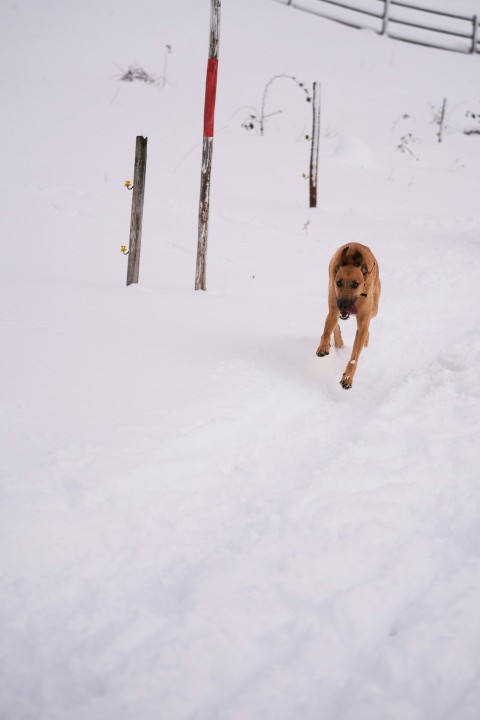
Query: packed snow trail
(260, 555)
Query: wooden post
(386, 13)
(138, 193)
(441, 120)
(315, 144)
(207, 152)
(474, 34)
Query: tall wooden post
(315, 144)
(138, 193)
(208, 123)
(386, 13)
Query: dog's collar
(363, 294)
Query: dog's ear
(343, 256)
(358, 261)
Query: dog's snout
(343, 304)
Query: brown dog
(354, 289)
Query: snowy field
(197, 522)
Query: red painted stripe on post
(210, 96)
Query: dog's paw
(323, 350)
(346, 382)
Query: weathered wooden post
(386, 13)
(315, 144)
(138, 192)
(441, 120)
(474, 34)
(208, 127)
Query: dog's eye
(355, 284)
(339, 283)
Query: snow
(197, 521)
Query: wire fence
(401, 20)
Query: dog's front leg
(330, 324)
(361, 337)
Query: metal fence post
(386, 13)
(474, 34)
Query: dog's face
(348, 283)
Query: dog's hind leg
(337, 336)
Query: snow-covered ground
(197, 521)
